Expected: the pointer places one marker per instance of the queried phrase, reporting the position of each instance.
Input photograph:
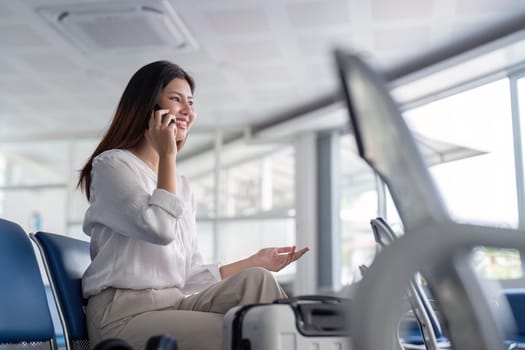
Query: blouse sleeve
(120, 202)
(200, 275)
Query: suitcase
(304, 322)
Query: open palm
(275, 259)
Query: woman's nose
(186, 107)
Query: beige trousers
(195, 321)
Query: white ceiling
(255, 59)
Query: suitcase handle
(319, 315)
(325, 299)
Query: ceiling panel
(238, 21)
(55, 63)
(318, 13)
(312, 46)
(402, 9)
(267, 74)
(253, 50)
(487, 6)
(5, 11)
(20, 35)
(403, 38)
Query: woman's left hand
(275, 259)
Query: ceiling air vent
(120, 26)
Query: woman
(146, 276)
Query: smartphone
(156, 108)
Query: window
(29, 184)
(359, 204)
(258, 184)
(238, 239)
(467, 142)
(256, 206)
(479, 187)
(495, 263)
(263, 184)
(38, 185)
(203, 190)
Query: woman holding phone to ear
(146, 276)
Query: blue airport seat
(411, 334)
(65, 260)
(516, 299)
(410, 330)
(59, 332)
(25, 319)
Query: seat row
(424, 330)
(25, 317)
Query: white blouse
(141, 236)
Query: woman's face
(177, 97)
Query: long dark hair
(133, 111)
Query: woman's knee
(265, 282)
(257, 274)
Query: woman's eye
(176, 99)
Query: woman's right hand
(161, 132)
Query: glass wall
(256, 186)
(256, 207)
(37, 185)
(468, 143)
(359, 204)
(480, 186)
